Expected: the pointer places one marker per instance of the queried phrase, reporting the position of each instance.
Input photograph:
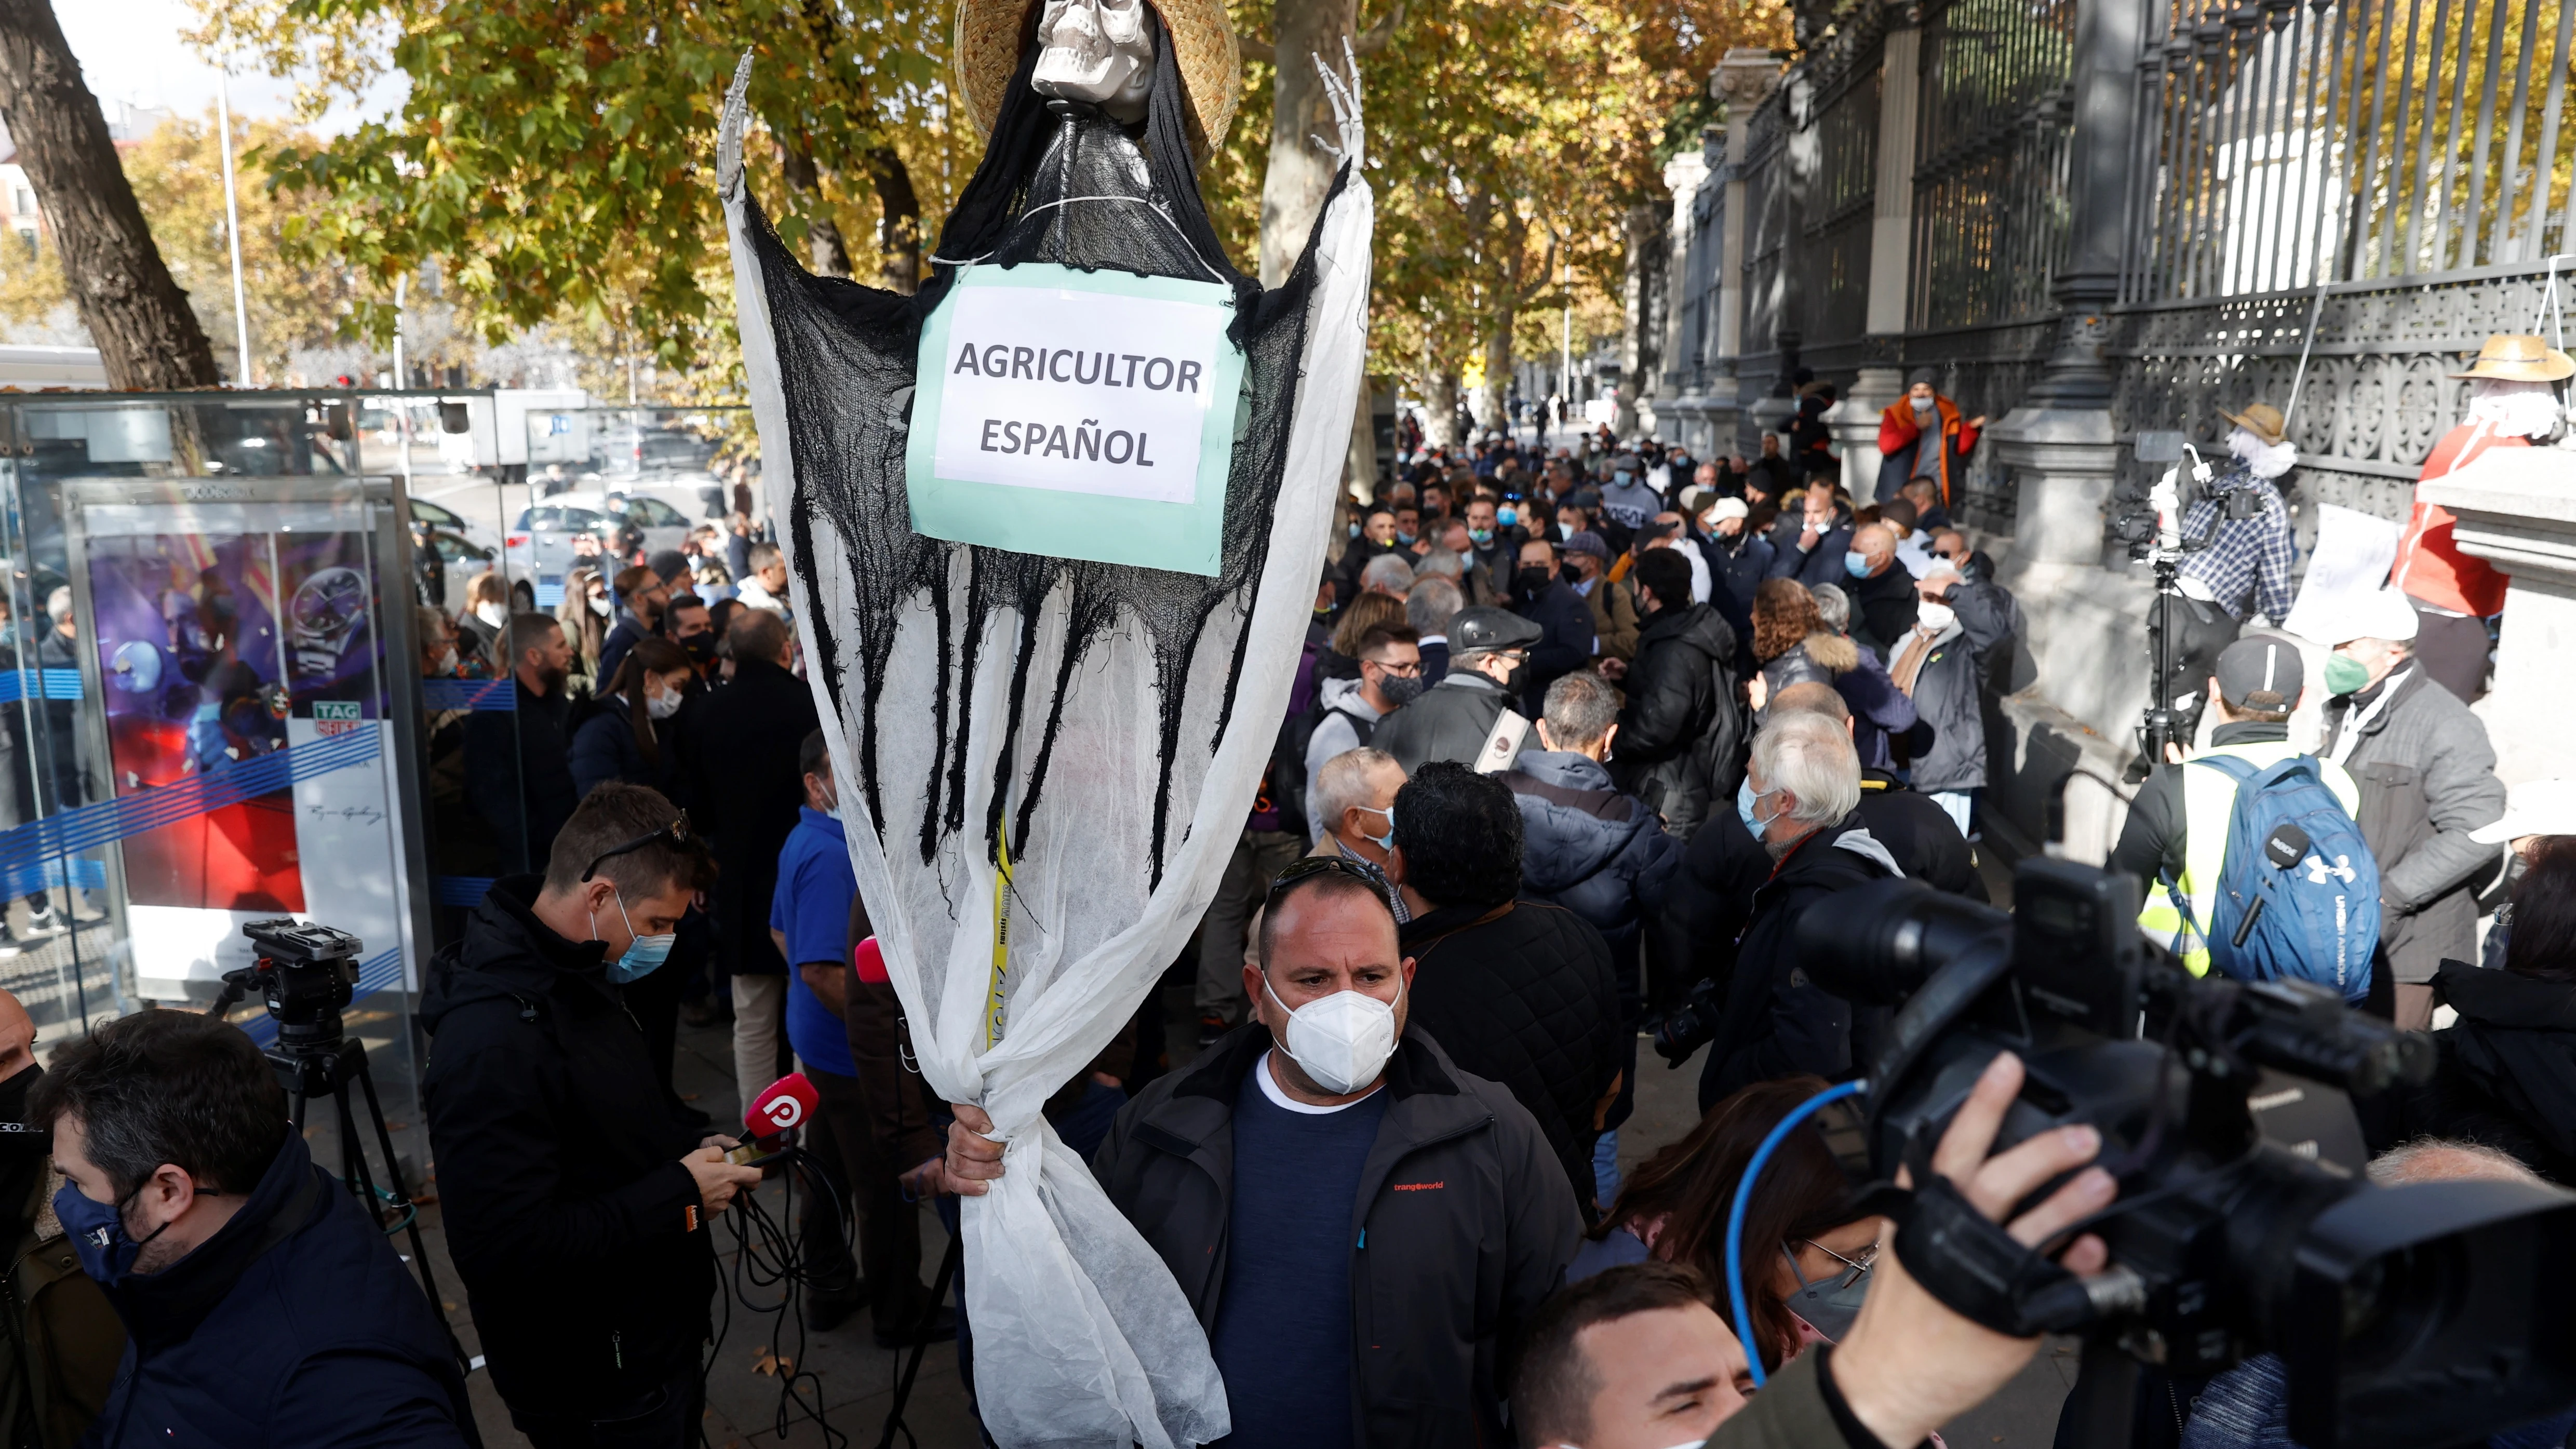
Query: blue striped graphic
(380, 972)
(550, 595)
(92, 826)
(446, 694)
(459, 890)
(18, 684)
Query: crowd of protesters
(1575, 744)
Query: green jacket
(1796, 1411)
(62, 1343)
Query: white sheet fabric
(1081, 1336)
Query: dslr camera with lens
(2408, 1317)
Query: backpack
(1283, 781)
(2298, 897)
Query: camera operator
(63, 1340)
(263, 1304)
(577, 1199)
(2246, 564)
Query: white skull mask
(1098, 51)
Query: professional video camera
(2412, 1316)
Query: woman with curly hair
(1807, 1257)
(1792, 644)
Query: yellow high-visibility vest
(2208, 802)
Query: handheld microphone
(773, 1116)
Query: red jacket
(1897, 431)
(2430, 567)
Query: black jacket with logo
(578, 1233)
(1459, 1229)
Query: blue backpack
(2298, 899)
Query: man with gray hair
(1596, 850)
(1434, 601)
(1387, 574)
(1801, 800)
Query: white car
(546, 543)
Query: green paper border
(1180, 537)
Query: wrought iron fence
(2402, 171)
(1990, 160)
(2345, 140)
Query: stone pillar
(1854, 419)
(2060, 445)
(2517, 510)
(1742, 80)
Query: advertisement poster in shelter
(239, 667)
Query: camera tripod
(314, 1057)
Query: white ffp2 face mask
(1342, 1040)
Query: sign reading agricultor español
(1079, 414)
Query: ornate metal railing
(2402, 170)
(1990, 160)
(2344, 140)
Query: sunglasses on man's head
(677, 835)
(1307, 867)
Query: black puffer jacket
(578, 1233)
(1681, 737)
(1443, 1273)
(1523, 994)
(1779, 1022)
(1590, 848)
(2507, 1074)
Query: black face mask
(1534, 581)
(701, 648)
(13, 1094)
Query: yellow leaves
(765, 1362)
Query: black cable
(768, 1254)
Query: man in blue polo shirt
(809, 918)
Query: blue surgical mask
(1856, 563)
(97, 1233)
(1355, 530)
(1384, 842)
(1504, 516)
(644, 954)
(1480, 536)
(1748, 809)
(1403, 537)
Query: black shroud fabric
(1060, 182)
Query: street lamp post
(232, 221)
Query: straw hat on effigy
(991, 34)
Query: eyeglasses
(677, 835)
(1405, 670)
(1853, 1268)
(1307, 867)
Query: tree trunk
(1301, 172)
(898, 219)
(823, 243)
(1440, 429)
(147, 337)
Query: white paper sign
(1075, 393)
(2352, 556)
